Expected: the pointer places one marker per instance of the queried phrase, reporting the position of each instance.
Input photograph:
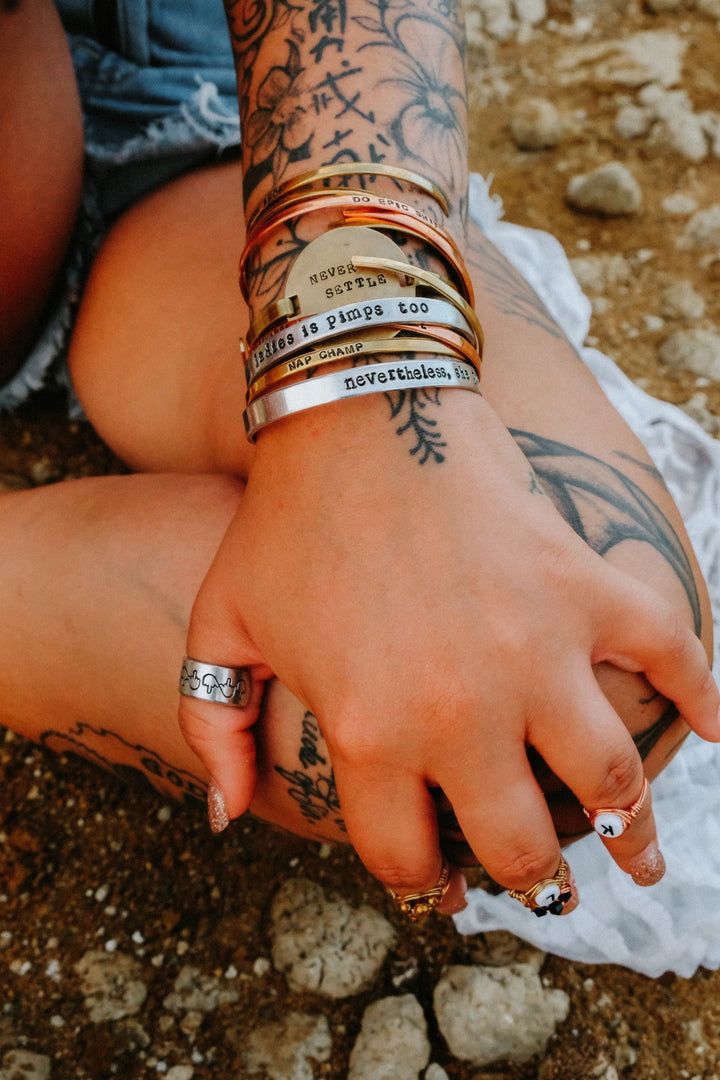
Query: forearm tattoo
(321, 82)
(604, 506)
(507, 290)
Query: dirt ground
(85, 863)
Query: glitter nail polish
(217, 810)
(648, 867)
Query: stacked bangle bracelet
(345, 168)
(338, 385)
(302, 352)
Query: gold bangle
(440, 343)
(359, 168)
(328, 199)
(287, 307)
(430, 281)
(433, 235)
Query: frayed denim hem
(201, 129)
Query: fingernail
(648, 867)
(460, 883)
(217, 810)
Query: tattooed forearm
(506, 288)
(322, 82)
(605, 507)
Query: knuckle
(680, 642)
(622, 778)
(356, 744)
(526, 866)
(403, 879)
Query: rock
(492, 1014)
(194, 991)
(179, 1072)
(497, 19)
(435, 1072)
(325, 946)
(651, 56)
(111, 984)
(280, 1050)
(694, 350)
(703, 229)
(610, 190)
(24, 1065)
(498, 948)
(632, 121)
(711, 126)
(393, 1042)
(530, 12)
(681, 301)
(675, 126)
(536, 125)
(596, 273)
(678, 203)
(709, 7)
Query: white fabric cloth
(674, 925)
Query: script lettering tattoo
(131, 762)
(312, 786)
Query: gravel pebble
(679, 203)
(393, 1042)
(703, 229)
(681, 301)
(696, 350)
(596, 273)
(111, 984)
(491, 1014)
(24, 1065)
(435, 1072)
(325, 945)
(193, 991)
(281, 1049)
(536, 125)
(611, 190)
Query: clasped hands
(438, 620)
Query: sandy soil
(85, 863)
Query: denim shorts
(158, 92)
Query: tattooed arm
(395, 562)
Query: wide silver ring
(213, 682)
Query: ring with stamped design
(214, 682)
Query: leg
(168, 389)
(91, 669)
(40, 167)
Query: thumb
(222, 681)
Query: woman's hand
(436, 620)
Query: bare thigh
(40, 168)
(156, 364)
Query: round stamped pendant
(323, 277)
(608, 825)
